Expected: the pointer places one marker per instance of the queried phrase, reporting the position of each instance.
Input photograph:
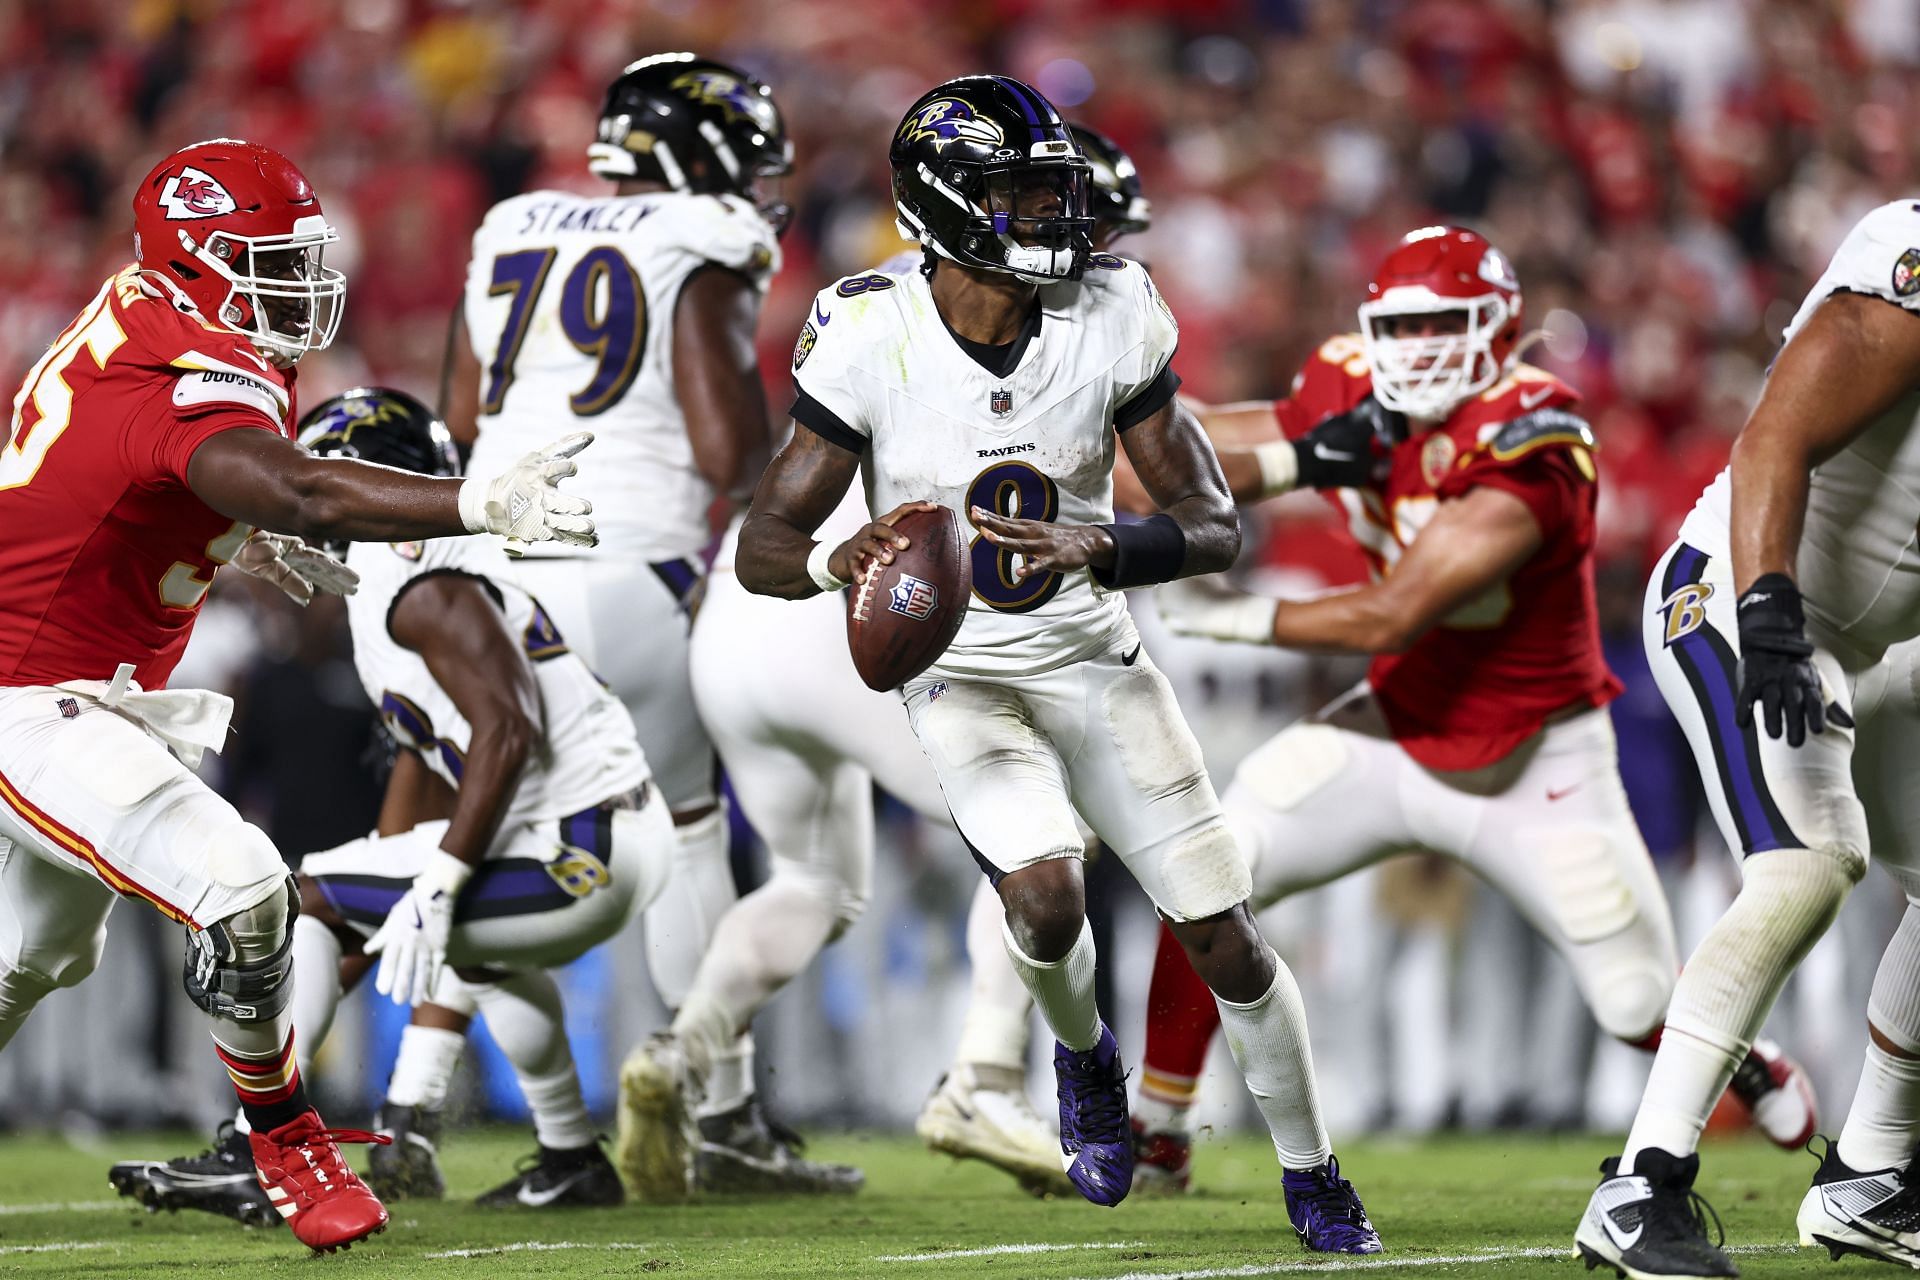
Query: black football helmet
(379, 424)
(696, 125)
(986, 174)
(1120, 207)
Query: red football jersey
(1484, 680)
(108, 554)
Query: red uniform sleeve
(1333, 380)
(1550, 479)
(169, 445)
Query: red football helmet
(233, 230)
(1437, 270)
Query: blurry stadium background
(1668, 177)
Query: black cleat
(1874, 1214)
(548, 1179)
(742, 1152)
(220, 1180)
(410, 1168)
(1650, 1224)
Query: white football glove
(1209, 608)
(523, 503)
(294, 567)
(412, 943)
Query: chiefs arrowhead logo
(193, 194)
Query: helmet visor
(1040, 206)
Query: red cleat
(1778, 1094)
(1162, 1162)
(324, 1202)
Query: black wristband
(1144, 553)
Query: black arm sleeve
(826, 424)
(1149, 400)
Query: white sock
(1728, 988)
(1156, 1115)
(1879, 1133)
(1269, 1042)
(729, 1080)
(1063, 989)
(998, 1006)
(767, 938)
(423, 1072)
(528, 1022)
(681, 922)
(316, 987)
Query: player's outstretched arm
(452, 621)
(717, 377)
(1473, 544)
(1234, 430)
(800, 488)
(1849, 363)
(271, 483)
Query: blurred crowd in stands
(1668, 176)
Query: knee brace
(240, 968)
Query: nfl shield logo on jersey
(1000, 400)
(69, 708)
(914, 597)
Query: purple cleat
(1326, 1211)
(1096, 1140)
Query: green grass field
(1496, 1206)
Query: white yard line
(944, 1254)
(68, 1246)
(70, 1206)
(536, 1246)
(1384, 1263)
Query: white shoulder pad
(1881, 256)
(1144, 332)
(207, 382)
(826, 359)
(724, 230)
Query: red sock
(269, 1085)
(1181, 1020)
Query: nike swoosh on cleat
(540, 1199)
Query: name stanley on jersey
(611, 218)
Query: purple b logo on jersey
(914, 597)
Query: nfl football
(903, 617)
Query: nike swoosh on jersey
(1562, 793)
(1528, 399)
(1127, 661)
(820, 315)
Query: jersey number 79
(603, 312)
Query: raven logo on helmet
(192, 194)
(947, 121)
(718, 89)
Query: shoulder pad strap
(1537, 430)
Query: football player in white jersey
(553, 835)
(635, 311)
(1795, 583)
(995, 382)
(803, 758)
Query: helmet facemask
(1429, 376)
(281, 295)
(1032, 220)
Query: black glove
(1775, 663)
(1350, 450)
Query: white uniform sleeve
(1880, 256)
(828, 397)
(1144, 379)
